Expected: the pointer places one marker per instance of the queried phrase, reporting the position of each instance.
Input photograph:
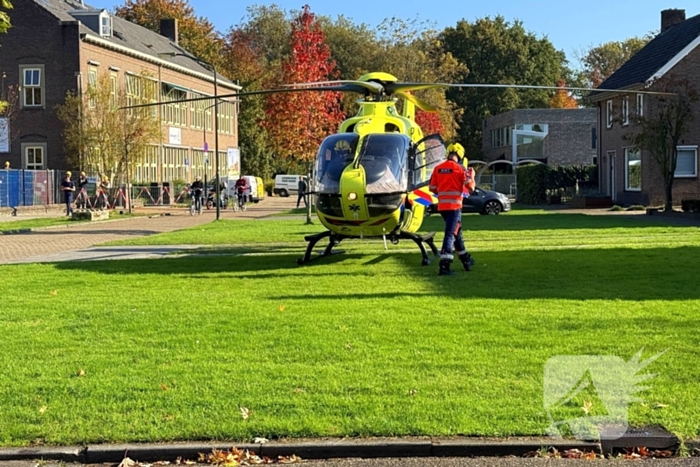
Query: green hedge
(535, 182)
(690, 205)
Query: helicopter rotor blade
(371, 86)
(345, 88)
(397, 87)
(421, 104)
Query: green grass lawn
(364, 343)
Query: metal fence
(502, 183)
(29, 187)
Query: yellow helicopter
(370, 178)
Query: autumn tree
(497, 52)
(600, 62)
(665, 122)
(103, 139)
(4, 17)
(196, 34)
(243, 59)
(562, 99)
(297, 122)
(411, 52)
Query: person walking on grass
(302, 191)
(450, 182)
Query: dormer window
(97, 20)
(106, 25)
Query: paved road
(55, 243)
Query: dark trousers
(69, 200)
(453, 234)
(302, 196)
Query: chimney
(671, 18)
(168, 28)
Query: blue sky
(570, 26)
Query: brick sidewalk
(38, 244)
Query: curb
(330, 449)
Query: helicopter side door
(425, 156)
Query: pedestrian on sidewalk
(68, 188)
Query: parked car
(484, 202)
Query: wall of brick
(611, 139)
(569, 139)
(111, 61)
(37, 38)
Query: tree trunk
(668, 206)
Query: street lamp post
(216, 122)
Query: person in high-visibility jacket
(450, 182)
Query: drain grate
(652, 437)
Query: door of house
(611, 175)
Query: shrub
(532, 184)
(690, 205)
(617, 208)
(637, 207)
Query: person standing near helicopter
(450, 181)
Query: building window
(609, 113)
(640, 105)
(34, 156)
(105, 26)
(33, 86)
(175, 112)
(633, 170)
(113, 86)
(625, 110)
(92, 85)
(687, 162)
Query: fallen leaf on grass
(260, 440)
(299, 390)
(281, 307)
(587, 406)
(53, 292)
(412, 392)
(660, 406)
(245, 413)
(164, 387)
(43, 409)
(81, 373)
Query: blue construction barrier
(27, 188)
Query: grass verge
(365, 343)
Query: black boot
(467, 261)
(445, 268)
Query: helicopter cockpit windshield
(383, 157)
(334, 155)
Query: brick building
(56, 46)
(557, 137)
(628, 175)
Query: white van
(256, 189)
(287, 184)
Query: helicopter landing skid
(334, 240)
(420, 240)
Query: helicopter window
(383, 157)
(334, 155)
(429, 153)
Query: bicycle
(239, 203)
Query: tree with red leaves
(429, 122)
(297, 122)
